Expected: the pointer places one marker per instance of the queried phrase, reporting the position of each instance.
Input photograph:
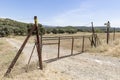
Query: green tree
(2, 34)
(61, 31)
(48, 31)
(41, 29)
(98, 31)
(54, 31)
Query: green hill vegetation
(12, 27)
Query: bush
(71, 31)
(54, 31)
(42, 31)
(2, 34)
(40, 27)
(48, 31)
(98, 31)
(61, 31)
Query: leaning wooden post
(39, 45)
(108, 27)
(59, 47)
(18, 53)
(83, 43)
(72, 45)
(114, 34)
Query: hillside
(9, 27)
(12, 27)
(86, 28)
(10, 22)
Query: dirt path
(78, 67)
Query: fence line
(72, 42)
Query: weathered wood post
(93, 30)
(39, 44)
(72, 45)
(83, 43)
(108, 28)
(19, 52)
(59, 47)
(93, 42)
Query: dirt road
(77, 67)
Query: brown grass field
(101, 49)
(7, 52)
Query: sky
(63, 12)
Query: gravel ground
(79, 67)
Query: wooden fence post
(58, 47)
(107, 35)
(39, 45)
(72, 45)
(19, 51)
(93, 42)
(108, 27)
(83, 44)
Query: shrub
(54, 31)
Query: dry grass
(7, 53)
(111, 49)
(77, 34)
(22, 38)
(102, 49)
(49, 73)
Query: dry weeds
(50, 73)
(100, 49)
(7, 53)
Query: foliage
(48, 31)
(54, 31)
(70, 30)
(11, 27)
(41, 29)
(61, 31)
(98, 31)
